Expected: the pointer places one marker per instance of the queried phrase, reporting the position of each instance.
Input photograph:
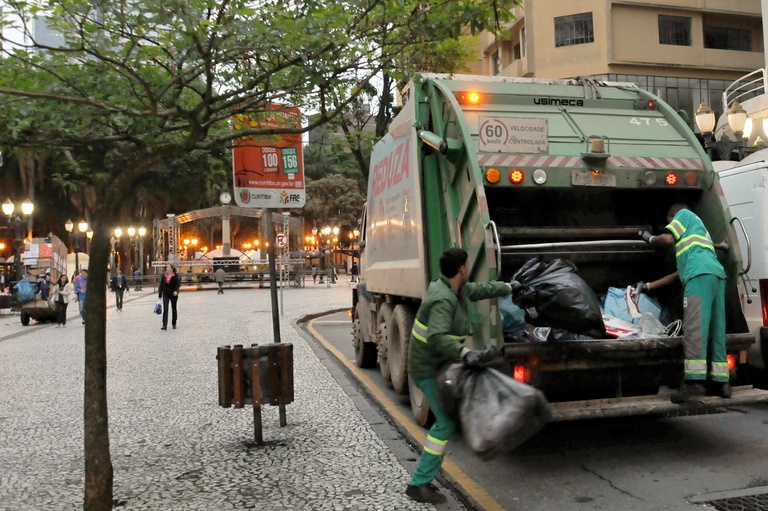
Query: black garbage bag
(552, 294)
(498, 413)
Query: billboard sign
(269, 169)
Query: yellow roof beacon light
(470, 98)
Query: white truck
(514, 168)
(745, 185)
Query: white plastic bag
(498, 413)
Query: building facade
(686, 51)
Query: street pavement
(172, 446)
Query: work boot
(688, 391)
(719, 389)
(427, 493)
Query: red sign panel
(269, 169)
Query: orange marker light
(516, 176)
(492, 176)
(469, 98)
(691, 179)
(473, 98)
(671, 179)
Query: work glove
(641, 287)
(645, 235)
(473, 358)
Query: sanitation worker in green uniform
(442, 324)
(703, 281)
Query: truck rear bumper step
(647, 405)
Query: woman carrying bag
(169, 292)
(60, 293)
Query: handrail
(495, 233)
(749, 244)
(744, 86)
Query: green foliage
(333, 199)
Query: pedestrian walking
(170, 283)
(80, 288)
(314, 273)
(119, 285)
(703, 281)
(442, 324)
(354, 270)
(137, 278)
(220, 276)
(2, 282)
(60, 293)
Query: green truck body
(510, 169)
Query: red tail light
(516, 176)
(731, 359)
(671, 179)
(522, 374)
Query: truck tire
(365, 352)
(397, 350)
(24, 318)
(383, 327)
(419, 406)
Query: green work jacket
(694, 252)
(442, 323)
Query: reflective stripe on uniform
(720, 369)
(421, 332)
(677, 228)
(435, 446)
(691, 241)
(695, 367)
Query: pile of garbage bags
(550, 302)
(497, 413)
(25, 290)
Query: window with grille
(675, 30)
(574, 29)
(721, 38)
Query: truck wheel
(24, 318)
(384, 322)
(397, 350)
(365, 352)
(419, 406)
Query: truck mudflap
(651, 405)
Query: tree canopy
(131, 84)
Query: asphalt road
(632, 464)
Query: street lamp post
(18, 223)
(115, 241)
(740, 124)
(76, 236)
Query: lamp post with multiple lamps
(139, 242)
(725, 148)
(326, 237)
(75, 236)
(18, 223)
(115, 242)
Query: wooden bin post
(224, 358)
(237, 375)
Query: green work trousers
(437, 438)
(704, 329)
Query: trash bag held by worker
(498, 413)
(452, 377)
(25, 290)
(552, 294)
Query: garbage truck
(510, 169)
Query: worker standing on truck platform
(442, 324)
(703, 281)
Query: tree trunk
(98, 462)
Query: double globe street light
(18, 224)
(740, 124)
(75, 236)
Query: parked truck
(513, 168)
